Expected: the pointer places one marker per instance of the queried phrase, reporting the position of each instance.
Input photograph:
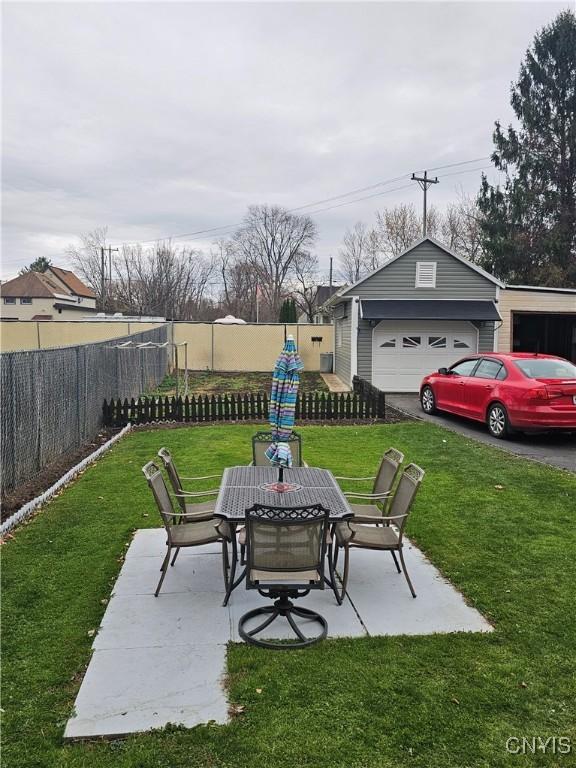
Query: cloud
(154, 119)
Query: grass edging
(25, 511)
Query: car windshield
(546, 368)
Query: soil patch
(237, 382)
(13, 500)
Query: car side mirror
(443, 371)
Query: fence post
(212, 352)
(381, 405)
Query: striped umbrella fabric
(285, 382)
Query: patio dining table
(241, 487)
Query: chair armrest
(204, 477)
(391, 518)
(341, 477)
(197, 494)
(360, 495)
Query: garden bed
(237, 382)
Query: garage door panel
(402, 353)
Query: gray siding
(485, 337)
(364, 350)
(454, 280)
(342, 353)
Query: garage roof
(422, 309)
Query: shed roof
(437, 243)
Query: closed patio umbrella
(285, 381)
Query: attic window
(425, 274)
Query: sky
(162, 119)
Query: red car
(508, 392)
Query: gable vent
(425, 274)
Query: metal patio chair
(202, 510)
(381, 490)
(285, 553)
(262, 440)
(388, 537)
(195, 533)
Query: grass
(212, 383)
(501, 528)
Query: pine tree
(40, 264)
(529, 224)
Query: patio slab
(162, 660)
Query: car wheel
(427, 400)
(497, 420)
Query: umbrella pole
(280, 474)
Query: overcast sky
(160, 119)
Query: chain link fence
(51, 400)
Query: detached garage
(422, 310)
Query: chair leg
(406, 572)
(395, 560)
(175, 555)
(346, 570)
(333, 578)
(164, 568)
(229, 568)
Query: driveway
(558, 450)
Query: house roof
(33, 285)
(73, 282)
(324, 292)
(437, 243)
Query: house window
(425, 274)
(9, 300)
(26, 300)
(411, 342)
(437, 342)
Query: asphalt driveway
(557, 449)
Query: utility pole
(116, 250)
(102, 276)
(330, 275)
(424, 184)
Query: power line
(201, 232)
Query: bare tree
(306, 284)
(87, 260)
(270, 241)
(239, 282)
(353, 253)
(460, 229)
(397, 229)
(162, 280)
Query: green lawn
(501, 528)
(226, 382)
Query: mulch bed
(13, 500)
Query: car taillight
(538, 395)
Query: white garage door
(404, 351)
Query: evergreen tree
(40, 264)
(529, 224)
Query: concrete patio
(163, 660)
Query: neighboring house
(429, 306)
(322, 313)
(56, 294)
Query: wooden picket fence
(310, 406)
